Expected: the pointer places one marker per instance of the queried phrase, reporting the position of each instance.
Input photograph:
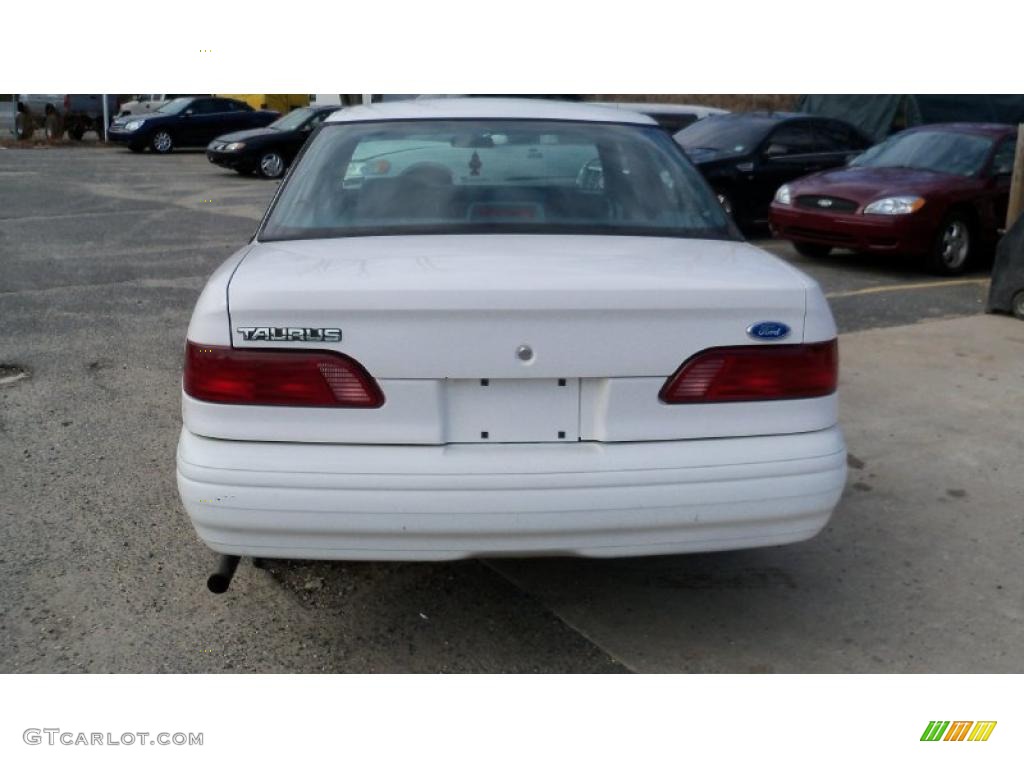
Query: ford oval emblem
(768, 330)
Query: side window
(792, 139)
(219, 106)
(837, 137)
(237, 106)
(1002, 161)
(203, 106)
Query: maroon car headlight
(895, 206)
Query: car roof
(487, 109)
(762, 120)
(979, 129)
(662, 108)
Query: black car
(190, 121)
(267, 150)
(747, 156)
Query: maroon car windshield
(960, 154)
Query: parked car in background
(187, 122)
(145, 103)
(939, 192)
(671, 117)
(268, 151)
(56, 113)
(476, 355)
(747, 156)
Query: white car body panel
(477, 451)
(342, 502)
(408, 306)
(486, 109)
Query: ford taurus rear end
(484, 328)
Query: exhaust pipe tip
(220, 579)
(218, 583)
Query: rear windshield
(470, 176)
(962, 154)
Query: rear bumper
(345, 502)
(910, 234)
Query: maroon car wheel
(954, 245)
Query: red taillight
(278, 377)
(776, 372)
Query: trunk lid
(463, 306)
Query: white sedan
(485, 327)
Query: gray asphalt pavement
(102, 254)
(877, 291)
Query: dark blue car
(190, 121)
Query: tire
(23, 128)
(101, 133)
(813, 250)
(53, 128)
(272, 165)
(76, 133)
(1017, 305)
(162, 142)
(954, 246)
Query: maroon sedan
(939, 192)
